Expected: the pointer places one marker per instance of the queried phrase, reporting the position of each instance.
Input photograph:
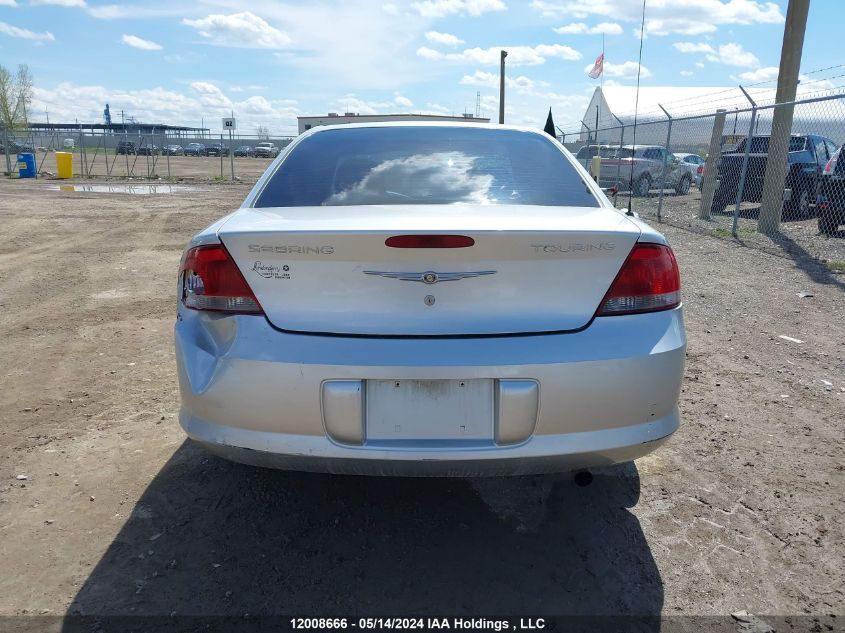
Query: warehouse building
(610, 104)
(333, 118)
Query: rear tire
(798, 208)
(642, 187)
(828, 225)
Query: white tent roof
(679, 101)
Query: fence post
(167, 154)
(663, 171)
(744, 171)
(708, 187)
(221, 157)
(109, 164)
(619, 157)
(83, 157)
(126, 150)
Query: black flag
(550, 126)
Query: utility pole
(502, 88)
(771, 205)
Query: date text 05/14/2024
(418, 624)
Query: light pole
(502, 88)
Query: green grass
(742, 231)
(837, 266)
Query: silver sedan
(429, 299)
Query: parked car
(699, 175)
(587, 152)
(244, 151)
(148, 150)
(126, 147)
(831, 201)
(395, 343)
(266, 150)
(173, 150)
(806, 158)
(216, 150)
(18, 147)
(640, 169)
(691, 162)
(195, 149)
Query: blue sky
(186, 62)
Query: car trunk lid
(529, 268)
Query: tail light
(831, 164)
(210, 280)
(700, 169)
(648, 281)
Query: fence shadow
(209, 537)
(806, 262)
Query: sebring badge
(429, 276)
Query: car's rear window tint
(425, 165)
(760, 144)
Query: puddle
(138, 190)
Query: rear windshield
(760, 144)
(425, 165)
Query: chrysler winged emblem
(429, 276)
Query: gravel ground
(798, 238)
(105, 508)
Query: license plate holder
(429, 410)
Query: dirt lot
(119, 514)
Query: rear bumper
(607, 394)
(541, 454)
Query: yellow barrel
(64, 164)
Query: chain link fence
(109, 154)
(767, 175)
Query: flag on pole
(598, 67)
(550, 125)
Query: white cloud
(491, 80)
(119, 11)
(390, 8)
(59, 3)
(699, 64)
(734, 55)
(436, 108)
(441, 8)
(687, 73)
(579, 28)
(689, 17)
(517, 55)
(694, 47)
(625, 70)
(8, 3)
(25, 34)
(239, 30)
(405, 102)
(768, 73)
(447, 39)
(136, 42)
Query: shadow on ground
(209, 537)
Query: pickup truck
(266, 150)
(640, 169)
(806, 158)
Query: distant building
(333, 118)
